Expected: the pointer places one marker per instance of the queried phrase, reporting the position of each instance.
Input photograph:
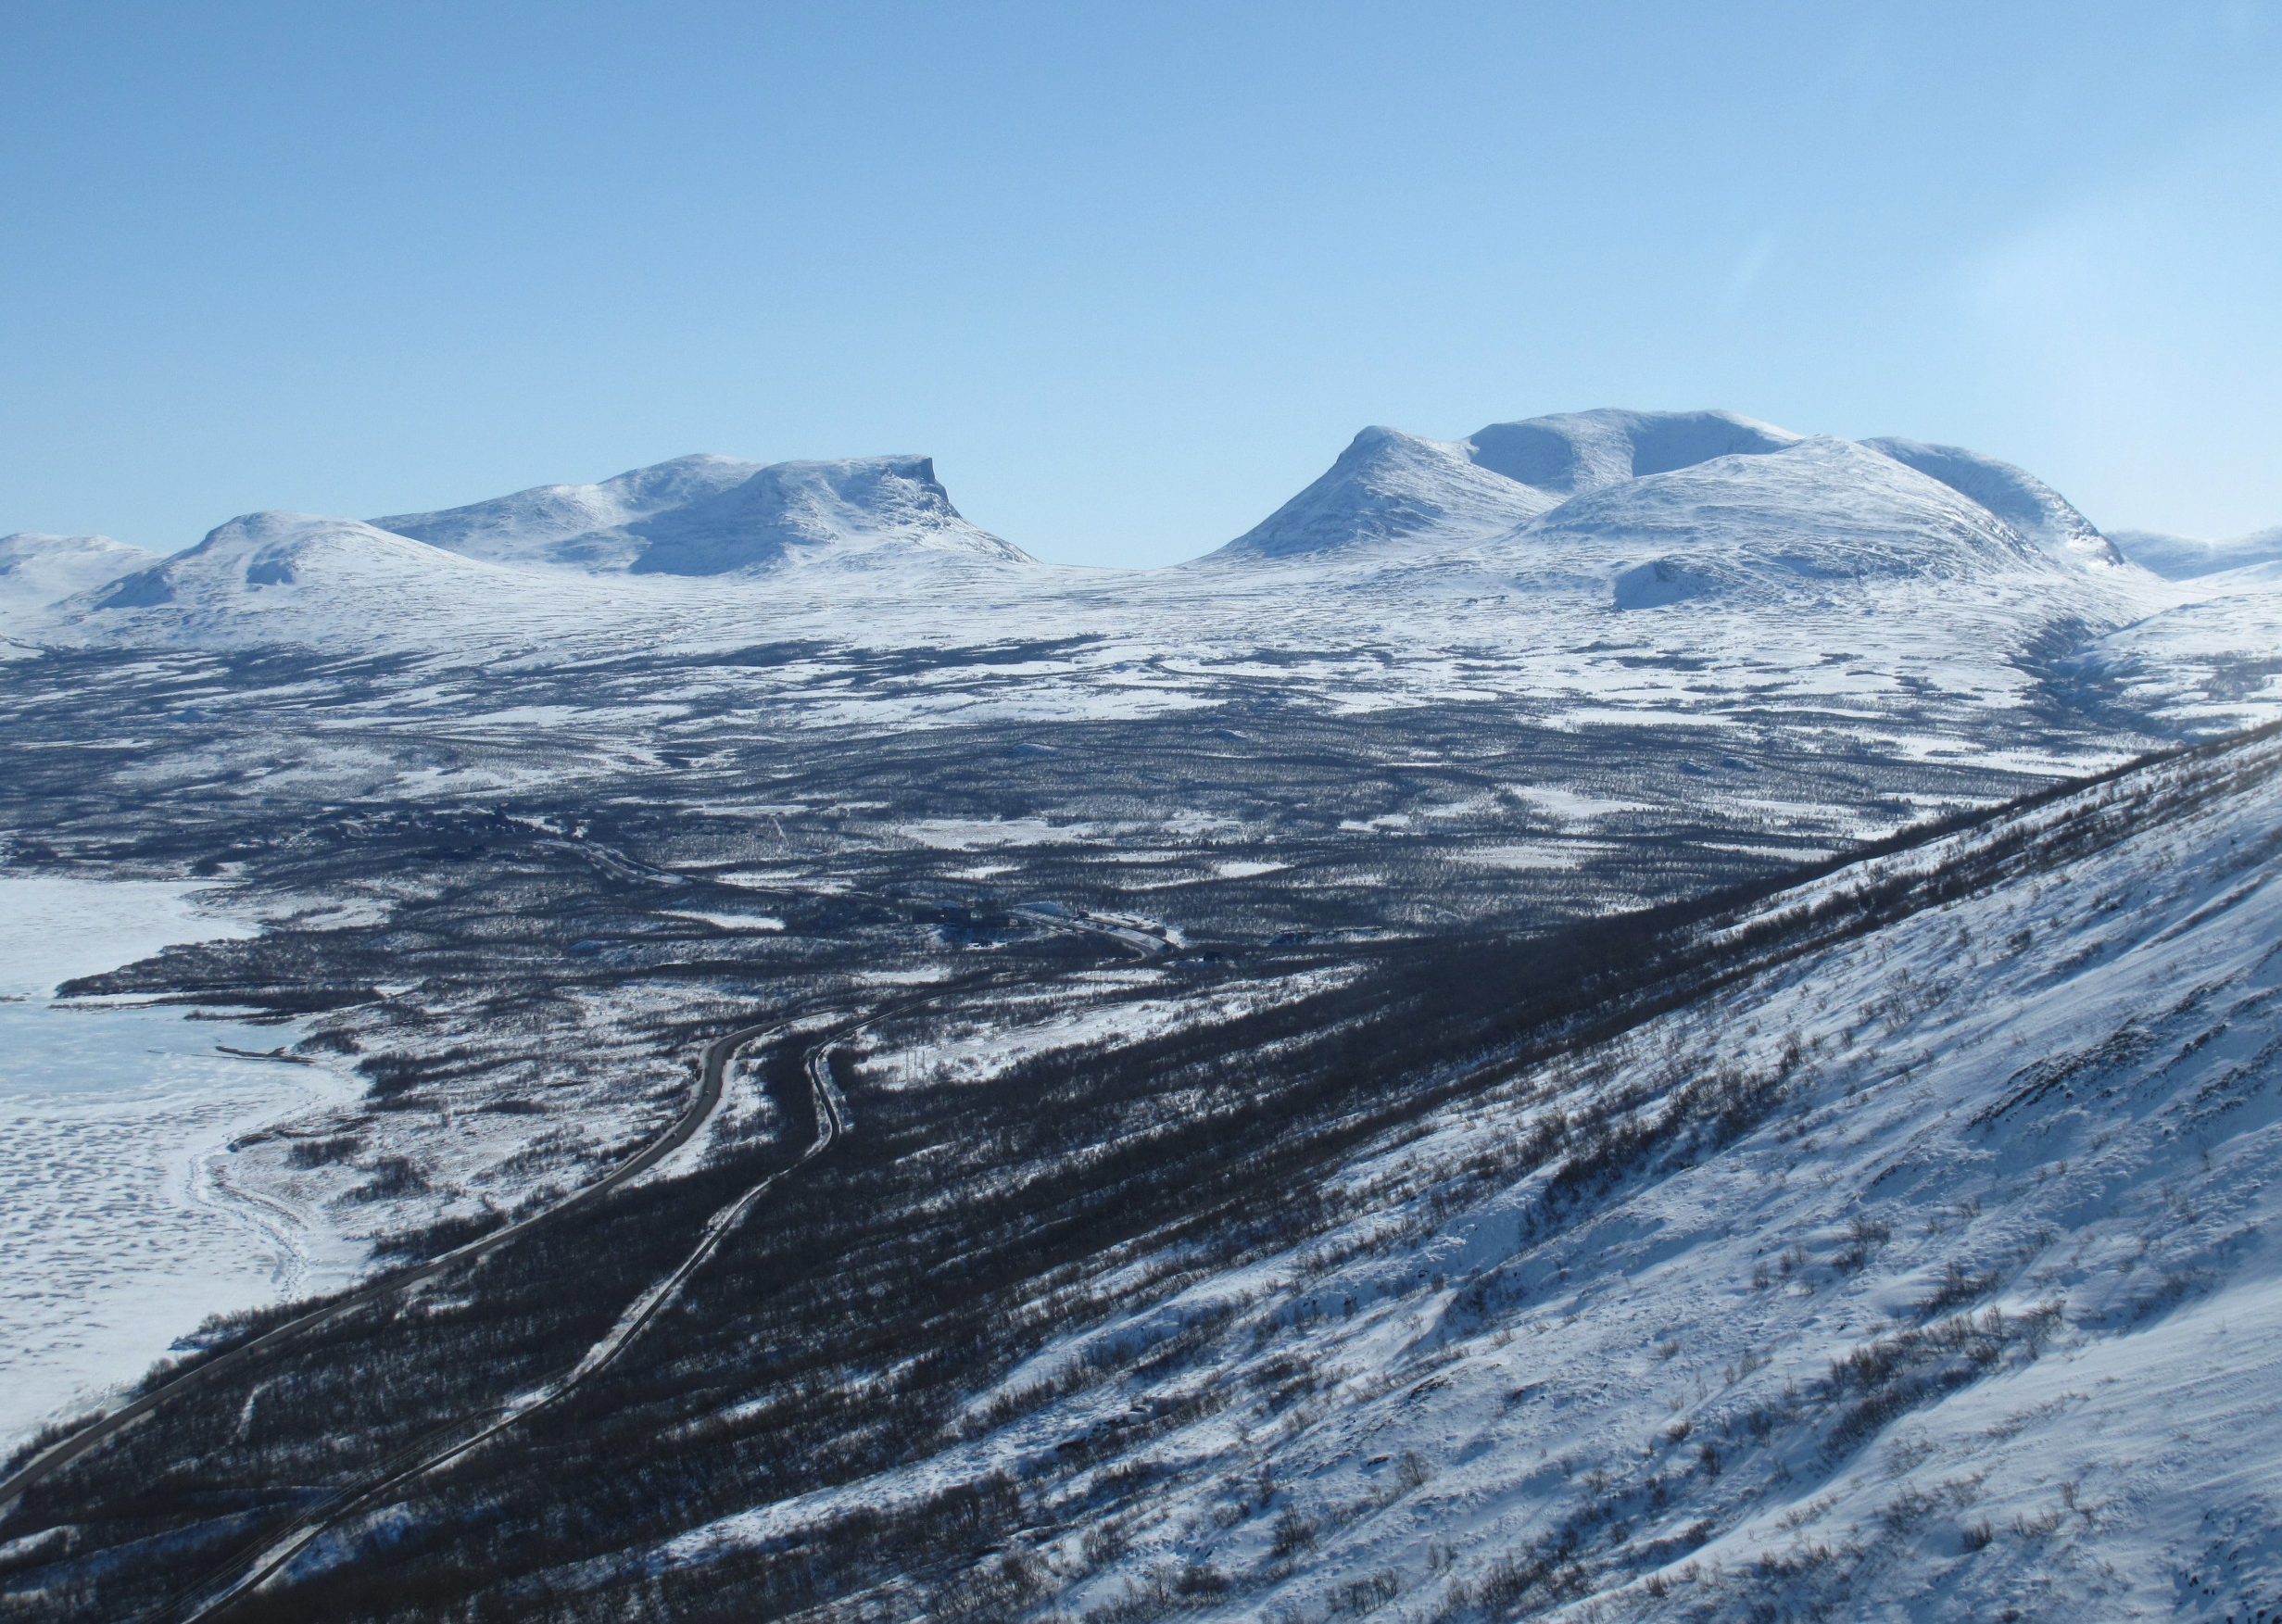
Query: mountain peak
(1388, 484)
(878, 508)
(707, 515)
(1572, 452)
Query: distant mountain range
(2188, 558)
(1575, 514)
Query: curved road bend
(702, 1105)
(410, 1464)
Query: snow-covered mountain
(576, 525)
(37, 569)
(1811, 519)
(289, 577)
(2186, 557)
(1667, 505)
(1925, 1273)
(1388, 484)
(2013, 495)
(707, 515)
(1499, 1049)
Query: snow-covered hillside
(1813, 518)
(278, 577)
(571, 524)
(2185, 558)
(2013, 495)
(1924, 1271)
(37, 569)
(2204, 666)
(1305, 1085)
(715, 516)
(1388, 485)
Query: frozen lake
(119, 1222)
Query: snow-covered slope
(879, 511)
(2040, 513)
(712, 516)
(2186, 557)
(1388, 485)
(1926, 1269)
(2202, 666)
(1810, 517)
(279, 577)
(1572, 452)
(1583, 493)
(38, 570)
(568, 523)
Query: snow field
(121, 1216)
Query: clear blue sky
(1132, 274)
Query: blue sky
(1131, 273)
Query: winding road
(425, 1457)
(210, 1595)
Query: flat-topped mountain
(551, 524)
(707, 515)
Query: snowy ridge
(38, 570)
(1388, 485)
(1814, 517)
(310, 577)
(2040, 513)
(707, 515)
(557, 523)
(2188, 558)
